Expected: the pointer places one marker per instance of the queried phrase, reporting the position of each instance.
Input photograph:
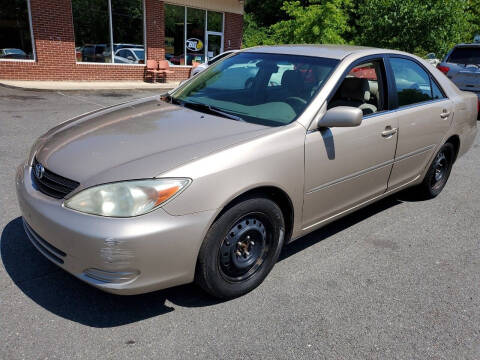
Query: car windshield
(465, 55)
(140, 54)
(267, 89)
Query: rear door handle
(445, 114)
(389, 132)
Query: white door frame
(206, 42)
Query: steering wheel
(297, 103)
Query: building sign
(194, 44)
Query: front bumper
(123, 256)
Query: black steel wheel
(438, 173)
(240, 248)
(245, 248)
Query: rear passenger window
(413, 83)
(436, 92)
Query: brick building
(112, 39)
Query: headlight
(127, 198)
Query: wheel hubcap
(244, 248)
(440, 168)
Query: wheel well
(273, 193)
(455, 141)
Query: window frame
(391, 78)
(32, 39)
(112, 53)
(386, 83)
(206, 31)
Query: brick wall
(55, 46)
(232, 34)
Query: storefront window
(174, 34)
(93, 33)
(195, 43)
(127, 25)
(92, 29)
(15, 34)
(215, 21)
(203, 39)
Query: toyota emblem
(39, 171)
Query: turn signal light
(444, 69)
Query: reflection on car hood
(139, 139)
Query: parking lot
(396, 280)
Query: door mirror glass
(341, 116)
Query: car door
(424, 115)
(345, 167)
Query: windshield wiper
(210, 109)
(202, 107)
(169, 98)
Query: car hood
(139, 139)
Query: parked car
(462, 66)
(212, 61)
(130, 56)
(208, 182)
(93, 53)
(432, 59)
(12, 53)
(108, 51)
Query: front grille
(52, 184)
(44, 247)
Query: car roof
(328, 51)
(468, 45)
(134, 49)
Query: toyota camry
(208, 182)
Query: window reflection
(215, 21)
(15, 34)
(127, 25)
(91, 19)
(174, 34)
(193, 47)
(195, 43)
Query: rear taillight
(444, 69)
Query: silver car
(207, 183)
(462, 66)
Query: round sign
(194, 44)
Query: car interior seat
(355, 92)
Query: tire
(438, 173)
(240, 248)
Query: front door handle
(445, 114)
(389, 132)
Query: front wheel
(241, 248)
(438, 173)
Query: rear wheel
(438, 173)
(240, 248)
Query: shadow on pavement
(64, 295)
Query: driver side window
(362, 88)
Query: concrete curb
(85, 86)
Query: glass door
(214, 44)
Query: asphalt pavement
(396, 280)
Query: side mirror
(341, 116)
